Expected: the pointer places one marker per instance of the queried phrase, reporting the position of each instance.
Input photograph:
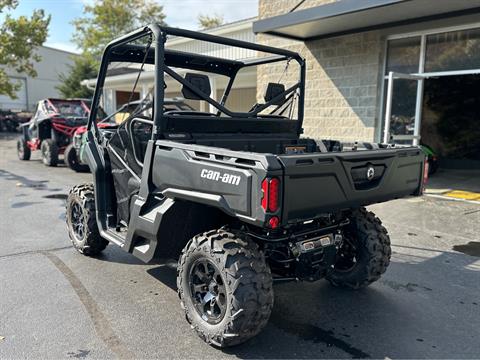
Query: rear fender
(164, 228)
(160, 225)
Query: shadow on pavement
(467, 180)
(166, 274)
(388, 319)
(116, 255)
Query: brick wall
(342, 78)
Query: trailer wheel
(365, 252)
(225, 287)
(81, 221)
(49, 152)
(23, 150)
(72, 160)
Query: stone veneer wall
(343, 75)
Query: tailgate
(325, 182)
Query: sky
(180, 13)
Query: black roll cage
(158, 56)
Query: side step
(144, 226)
(114, 236)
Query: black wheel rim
(77, 220)
(207, 290)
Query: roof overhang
(222, 30)
(352, 16)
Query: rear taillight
(265, 194)
(271, 194)
(274, 222)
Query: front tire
(365, 252)
(225, 287)
(72, 160)
(49, 152)
(23, 150)
(81, 221)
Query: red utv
(51, 128)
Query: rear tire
(23, 150)
(81, 221)
(72, 160)
(49, 152)
(365, 253)
(225, 287)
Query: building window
(453, 51)
(403, 55)
(418, 59)
(402, 121)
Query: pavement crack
(33, 252)
(410, 287)
(100, 322)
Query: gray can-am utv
(238, 197)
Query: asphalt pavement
(56, 303)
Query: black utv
(239, 197)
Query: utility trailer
(240, 198)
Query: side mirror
(199, 81)
(273, 90)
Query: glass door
(403, 108)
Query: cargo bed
(325, 182)
(311, 184)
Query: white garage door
(20, 103)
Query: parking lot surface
(56, 303)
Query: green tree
(18, 40)
(209, 21)
(105, 20)
(81, 69)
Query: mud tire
(49, 152)
(23, 151)
(373, 252)
(247, 280)
(87, 241)
(72, 160)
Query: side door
(403, 108)
(140, 130)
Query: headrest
(199, 81)
(273, 90)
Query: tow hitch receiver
(315, 243)
(315, 256)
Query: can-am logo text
(218, 176)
